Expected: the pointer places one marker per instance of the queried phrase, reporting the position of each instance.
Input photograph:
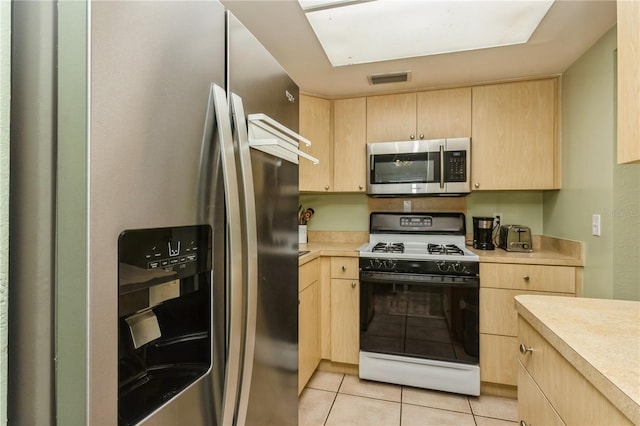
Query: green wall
(337, 212)
(349, 212)
(517, 208)
(592, 182)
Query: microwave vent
(396, 77)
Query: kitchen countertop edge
(540, 257)
(535, 309)
(317, 249)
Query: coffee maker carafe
(483, 233)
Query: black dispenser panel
(164, 314)
(154, 256)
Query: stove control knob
(443, 266)
(389, 264)
(458, 267)
(375, 263)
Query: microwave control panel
(455, 166)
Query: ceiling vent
(396, 77)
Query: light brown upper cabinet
(349, 145)
(391, 117)
(514, 141)
(434, 114)
(315, 125)
(444, 113)
(628, 82)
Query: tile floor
(334, 399)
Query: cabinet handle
(525, 277)
(421, 135)
(524, 349)
(326, 187)
(344, 268)
(412, 137)
(360, 186)
(476, 185)
(353, 284)
(522, 423)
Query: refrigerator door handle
(241, 142)
(218, 106)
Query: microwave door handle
(441, 167)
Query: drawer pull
(526, 278)
(524, 349)
(353, 284)
(344, 268)
(523, 423)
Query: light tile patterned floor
(332, 399)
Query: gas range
(418, 243)
(419, 303)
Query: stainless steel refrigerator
(154, 192)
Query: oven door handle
(432, 280)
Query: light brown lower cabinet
(308, 322)
(499, 284)
(345, 308)
(533, 407)
(567, 392)
(345, 334)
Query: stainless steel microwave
(418, 168)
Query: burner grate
(446, 249)
(388, 248)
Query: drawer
(344, 267)
(533, 407)
(498, 359)
(498, 314)
(308, 273)
(575, 399)
(561, 279)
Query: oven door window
(420, 167)
(420, 320)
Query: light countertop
(547, 251)
(537, 257)
(599, 337)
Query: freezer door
(258, 84)
(134, 82)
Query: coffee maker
(483, 233)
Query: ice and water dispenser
(164, 314)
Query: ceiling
(566, 32)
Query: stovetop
(418, 236)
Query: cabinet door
(498, 358)
(345, 332)
(349, 145)
(391, 117)
(444, 113)
(315, 125)
(514, 136)
(308, 333)
(561, 279)
(533, 407)
(498, 314)
(628, 82)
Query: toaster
(515, 238)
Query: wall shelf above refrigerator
(267, 135)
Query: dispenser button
(153, 265)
